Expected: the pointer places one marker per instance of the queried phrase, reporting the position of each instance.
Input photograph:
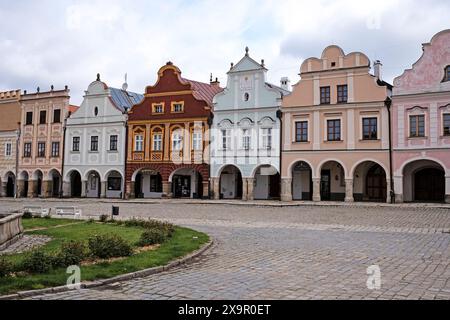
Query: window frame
(76, 144)
(139, 142)
(41, 150)
(246, 139)
(177, 103)
(446, 74)
(226, 139)
(325, 97)
(55, 151)
(341, 97)
(370, 125)
(302, 130)
(157, 139)
(27, 150)
(29, 121)
(8, 149)
(444, 133)
(59, 116)
(156, 105)
(416, 126)
(113, 142)
(177, 144)
(94, 144)
(266, 138)
(197, 140)
(42, 112)
(336, 137)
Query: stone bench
(68, 211)
(37, 211)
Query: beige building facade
(9, 131)
(41, 143)
(336, 131)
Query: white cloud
(75, 40)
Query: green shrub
(168, 228)
(6, 267)
(152, 236)
(71, 253)
(37, 261)
(104, 218)
(109, 246)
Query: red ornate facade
(168, 138)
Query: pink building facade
(421, 126)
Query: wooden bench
(37, 211)
(68, 211)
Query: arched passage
(114, 185)
(230, 184)
(369, 182)
(187, 183)
(38, 177)
(9, 185)
(302, 184)
(267, 183)
(423, 181)
(332, 181)
(55, 181)
(93, 187)
(23, 184)
(147, 183)
(75, 184)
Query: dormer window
(158, 108)
(177, 107)
(447, 74)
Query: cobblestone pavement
(26, 243)
(302, 252)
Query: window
(113, 143)
(324, 95)
(246, 139)
(334, 130)
(447, 74)
(197, 141)
(76, 144)
(43, 117)
(417, 126)
(158, 108)
(157, 142)
(27, 150)
(29, 119)
(446, 124)
(8, 149)
(177, 107)
(114, 183)
(41, 150)
(156, 183)
(370, 128)
(267, 138)
(177, 140)
(246, 96)
(96, 111)
(139, 143)
(342, 94)
(57, 116)
(301, 131)
(226, 139)
(55, 149)
(94, 143)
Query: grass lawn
(183, 242)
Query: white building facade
(95, 143)
(245, 134)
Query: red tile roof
(73, 108)
(204, 91)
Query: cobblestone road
(306, 252)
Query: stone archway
(114, 185)
(75, 184)
(370, 182)
(332, 182)
(93, 186)
(302, 183)
(267, 183)
(230, 183)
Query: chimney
(377, 69)
(214, 82)
(285, 84)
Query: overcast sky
(63, 42)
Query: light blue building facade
(245, 134)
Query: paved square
(303, 252)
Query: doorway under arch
(230, 184)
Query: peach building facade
(336, 131)
(41, 143)
(9, 133)
(421, 126)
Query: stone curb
(124, 277)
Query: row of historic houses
(341, 133)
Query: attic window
(246, 96)
(333, 64)
(96, 111)
(447, 74)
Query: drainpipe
(61, 183)
(388, 103)
(210, 186)
(18, 133)
(124, 183)
(280, 116)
